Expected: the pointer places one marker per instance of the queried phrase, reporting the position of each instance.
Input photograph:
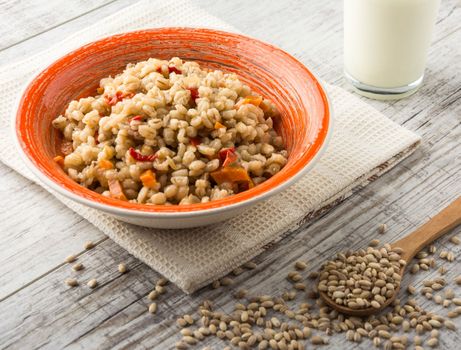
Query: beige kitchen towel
(364, 144)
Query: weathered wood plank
(34, 242)
(49, 223)
(60, 21)
(20, 20)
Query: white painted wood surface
(37, 232)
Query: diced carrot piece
(148, 178)
(230, 174)
(218, 125)
(116, 191)
(254, 100)
(66, 147)
(246, 185)
(105, 164)
(264, 106)
(59, 160)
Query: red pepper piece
(140, 157)
(112, 101)
(195, 141)
(174, 69)
(170, 70)
(136, 117)
(227, 156)
(193, 93)
(223, 153)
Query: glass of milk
(386, 44)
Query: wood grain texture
(21, 20)
(37, 232)
(440, 224)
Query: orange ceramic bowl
(303, 104)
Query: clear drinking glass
(386, 44)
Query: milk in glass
(386, 44)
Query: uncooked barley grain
(160, 289)
(294, 276)
(180, 345)
(153, 308)
(181, 322)
(71, 282)
(77, 267)
(92, 283)
(374, 243)
(186, 331)
(122, 268)
(250, 265)
(70, 258)
(189, 319)
(153, 295)
(162, 282)
(88, 245)
(382, 228)
(411, 289)
(237, 271)
(300, 265)
(433, 342)
(450, 325)
(449, 293)
(317, 340)
(190, 340)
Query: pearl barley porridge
(170, 132)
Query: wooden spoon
(443, 222)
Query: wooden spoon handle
(443, 222)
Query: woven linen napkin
(364, 144)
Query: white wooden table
(37, 232)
